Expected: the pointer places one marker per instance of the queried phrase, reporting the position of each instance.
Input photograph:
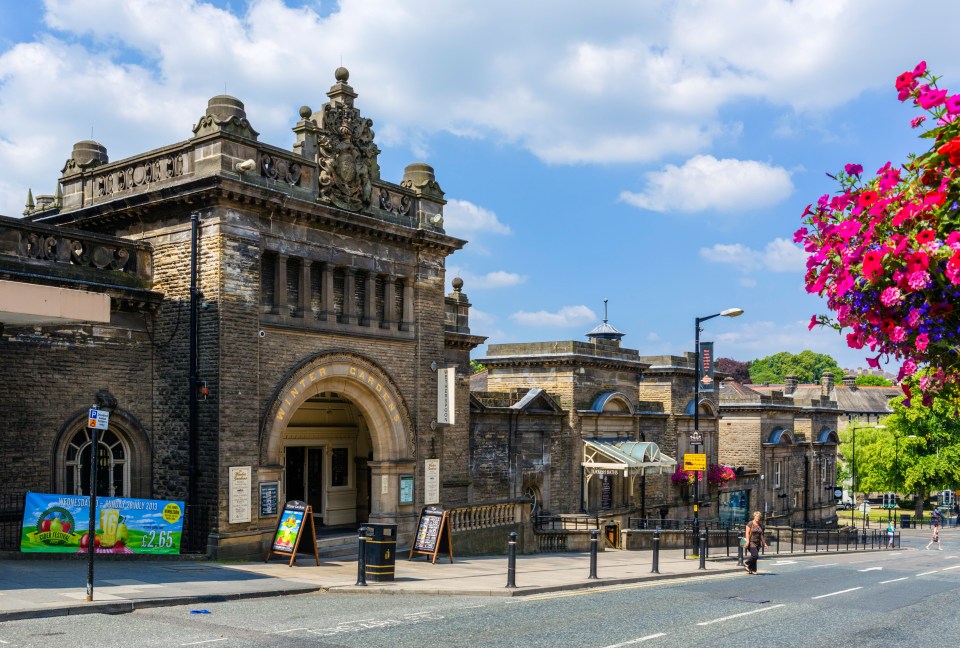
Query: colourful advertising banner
(60, 523)
(706, 367)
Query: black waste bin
(904, 521)
(380, 553)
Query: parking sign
(99, 419)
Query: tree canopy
(916, 451)
(870, 380)
(739, 371)
(807, 366)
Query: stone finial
(30, 203)
(86, 154)
(305, 112)
(420, 177)
(457, 284)
(226, 114)
(340, 92)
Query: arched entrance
(336, 437)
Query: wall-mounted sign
(445, 395)
(431, 481)
(241, 491)
(694, 461)
(406, 489)
(269, 498)
(60, 524)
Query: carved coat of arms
(346, 153)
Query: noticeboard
(694, 461)
(269, 498)
(294, 525)
(433, 534)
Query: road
(883, 599)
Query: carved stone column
(326, 294)
(389, 302)
(306, 288)
(280, 285)
(349, 296)
(407, 323)
(370, 309)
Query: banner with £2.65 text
(60, 523)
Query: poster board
(295, 525)
(433, 534)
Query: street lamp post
(696, 439)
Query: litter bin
(904, 521)
(380, 552)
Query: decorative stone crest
(399, 204)
(278, 168)
(346, 153)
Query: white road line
(870, 569)
(954, 567)
(893, 581)
(289, 630)
(742, 614)
(636, 641)
(195, 643)
(852, 589)
(827, 565)
(784, 562)
(929, 572)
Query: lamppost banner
(705, 370)
(60, 524)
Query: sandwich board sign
(295, 525)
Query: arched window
(113, 466)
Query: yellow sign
(695, 462)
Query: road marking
(636, 641)
(742, 614)
(870, 569)
(784, 562)
(614, 588)
(195, 643)
(893, 581)
(852, 589)
(929, 572)
(954, 567)
(827, 565)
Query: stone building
(277, 310)
(786, 450)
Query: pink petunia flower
(916, 121)
(922, 341)
(918, 280)
(891, 296)
(853, 169)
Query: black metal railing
(572, 522)
(197, 524)
(675, 525)
(11, 517)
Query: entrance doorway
(326, 447)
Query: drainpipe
(192, 388)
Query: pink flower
(891, 296)
(925, 236)
(853, 169)
(813, 322)
(918, 280)
(898, 334)
(930, 98)
(916, 121)
(922, 341)
(953, 104)
(799, 235)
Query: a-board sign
(433, 534)
(295, 525)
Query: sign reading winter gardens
(433, 534)
(295, 522)
(60, 524)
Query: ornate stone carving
(139, 173)
(278, 168)
(346, 154)
(48, 247)
(399, 204)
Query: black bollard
(703, 549)
(512, 560)
(739, 553)
(656, 551)
(362, 559)
(593, 553)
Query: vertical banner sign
(431, 481)
(60, 524)
(445, 393)
(706, 366)
(240, 494)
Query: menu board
(295, 522)
(433, 533)
(60, 524)
(269, 498)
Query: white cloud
(494, 279)
(704, 182)
(747, 282)
(780, 255)
(462, 219)
(566, 317)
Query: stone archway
(370, 389)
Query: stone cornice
(571, 360)
(462, 341)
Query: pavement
(38, 587)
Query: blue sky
(658, 154)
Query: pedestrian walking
(935, 537)
(755, 539)
(890, 534)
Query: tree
(739, 371)
(918, 451)
(476, 367)
(807, 366)
(869, 380)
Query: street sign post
(99, 419)
(694, 461)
